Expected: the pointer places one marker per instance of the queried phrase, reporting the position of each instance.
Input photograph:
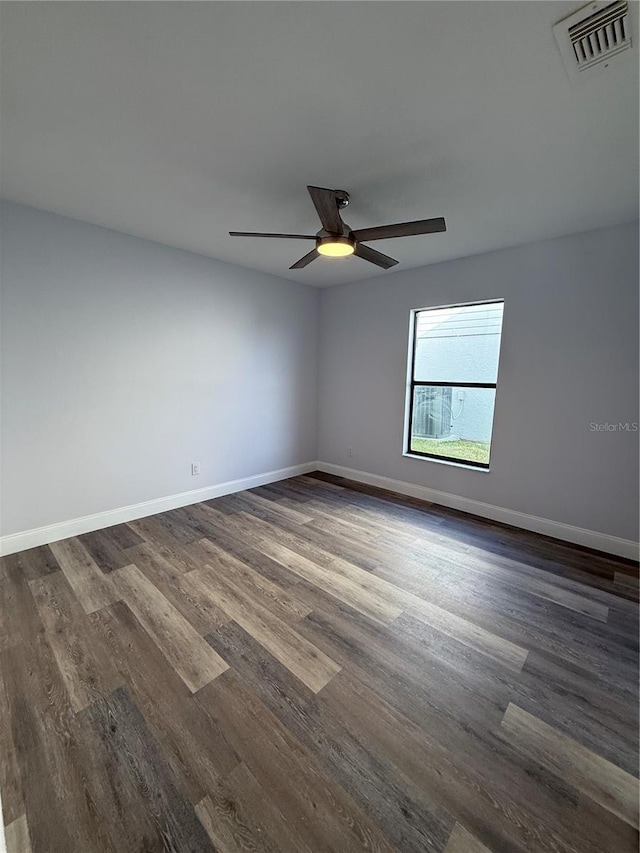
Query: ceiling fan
(336, 239)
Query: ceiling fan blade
(377, 258)
(327, 208)
(303, 262)
(281, 236)
(402, 229)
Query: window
(453, 377)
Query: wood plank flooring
(317, 666)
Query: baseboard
(76, 526)
(626, 548)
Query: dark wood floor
(310, 667)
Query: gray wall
(569, 359)
(124, 361)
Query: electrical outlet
(350, 450)
(195, 469)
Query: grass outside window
(475, 451)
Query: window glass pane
(452, 422)
(459, 344)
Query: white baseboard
(76, 526)
(567, 532)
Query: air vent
(595, 36)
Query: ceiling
(180, 121)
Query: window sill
(446, 462)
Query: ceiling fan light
(335, 247)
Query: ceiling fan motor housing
(346, 232)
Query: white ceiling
(180, 121)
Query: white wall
(569, 359)
(123, 361)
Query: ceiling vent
(595, 36)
